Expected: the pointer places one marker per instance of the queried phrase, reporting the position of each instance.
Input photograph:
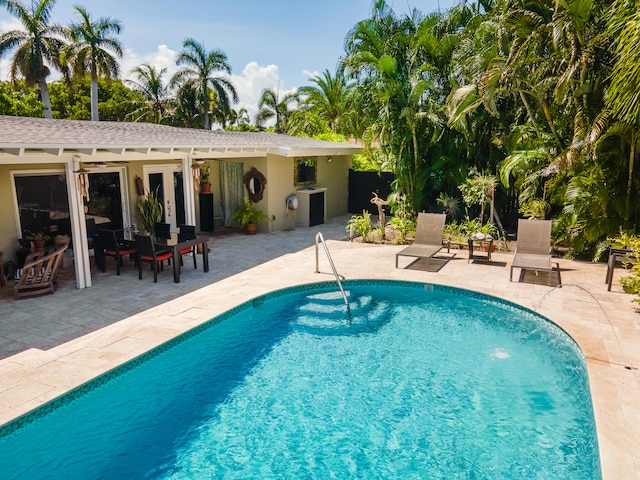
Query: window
(43, 204)
(304, 171)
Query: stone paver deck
(51, 344)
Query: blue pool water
(419, 382)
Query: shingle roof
(40, 133)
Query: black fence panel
(361, 186)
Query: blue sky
(277, 43)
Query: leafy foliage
(151, 211)
(247, 213)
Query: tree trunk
(46, 99)
(547, 116)
(632, 158)
(94, 97)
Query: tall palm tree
(328, 97)
(200, 66)
(154, 90)
(93, 50)
(271, 105)
(39, 43)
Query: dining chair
(111, 246)
(188, 230)
(162, 230)
(147, 253)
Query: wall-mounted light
(329, 160)
(199, 161)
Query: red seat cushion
(185, 250)
(160, 257)
(127, 251)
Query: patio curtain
(231, 188)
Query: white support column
(189, 191)
(78, 228)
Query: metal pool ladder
(320, 239)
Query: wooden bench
(39, 272)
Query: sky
(278, 44)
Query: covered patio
(56, 174)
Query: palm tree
(271, 105)
(240, 116)
(328, 98)
(154, 90)
(200, 67)
(186, 113)
(624, 26)
(93, 50)
(36, 44)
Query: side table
(477, 241)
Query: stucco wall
(8, 232)
(280, 184)
(334, 176)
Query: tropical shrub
(360, 226)
(405, 226)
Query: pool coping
(607, 345)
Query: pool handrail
(333, 267)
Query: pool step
(326, 314)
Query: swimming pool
(421, 381)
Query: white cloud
(314, 74)
(163, 57)
(250, 83)
(8, 25)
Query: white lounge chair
(533, 250)
(429, 238)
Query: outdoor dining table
(180, 241)
(177, 242)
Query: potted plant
(246, 216)
(38, 240)
(151, 211)
(205, 173)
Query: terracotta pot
(39, 244)
(251, 228)
(205, 187)
(485, 247)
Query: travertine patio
(88, 332)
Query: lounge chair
(39, 272)
(533, 250)
(429, 237)
(626, 256)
